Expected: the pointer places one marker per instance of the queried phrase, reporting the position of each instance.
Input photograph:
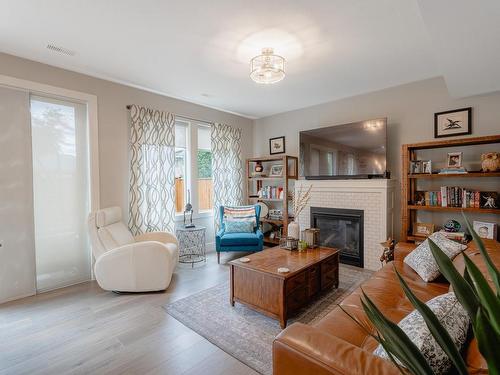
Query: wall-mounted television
(356, 150)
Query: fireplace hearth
(343, 229)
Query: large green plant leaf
(396, 340)
(464, 292)
(488, 342)
(489, 301)
(435, 327)
(493, 271)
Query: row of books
(271, 192)
(449, 196)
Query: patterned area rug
(248, 335)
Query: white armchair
(127, 264)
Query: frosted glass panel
(61, 192)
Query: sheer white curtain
(152, 159)
(227, 166)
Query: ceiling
(199, 50)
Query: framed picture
(415, 166)
(454, 160)
(277, 145)
(485, 230)
(423, 229)
(452, 123)
(488, 199)
(427, 166)
(276, 171)
(420, 198)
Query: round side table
(191, 245)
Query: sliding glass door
(61, 192)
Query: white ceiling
(199, 50)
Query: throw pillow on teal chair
(239, 226)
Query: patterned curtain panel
(227, 166)
(152, 159)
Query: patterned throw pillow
(240, 213)
(238, 226)
(452, 317)
(422, 261)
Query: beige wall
(112, 115)
(410, 111)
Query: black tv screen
(356, 150)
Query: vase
(293, 230)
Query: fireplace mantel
(375, 197)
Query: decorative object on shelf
(420, 198)
(415, 166)
(267, 68)
(275, 214)
(311, 237)
(289, 243)
(388, 252)
(485, 229)
(489, 199)
(490, 162)
(277, 145)
(299, 200)
(452, 226)
(427, 166)
(283, 270)
(258, 167)
(276, 171)
(453, 123)
(423, 229)
(189, 211)
(454, 160)
(264, 209)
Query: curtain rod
(129, 106)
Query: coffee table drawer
(297, 298)
(295, 282)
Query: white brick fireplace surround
(375, 197)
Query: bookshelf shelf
(284, 183)
(460, 175)
(465, 209)
(409, 181)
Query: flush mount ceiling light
(267, 68)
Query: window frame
(192, 167)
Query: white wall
(410, 111)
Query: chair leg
(218, 257)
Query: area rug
(248, 335)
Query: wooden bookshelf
(286, 180)
(409, 181)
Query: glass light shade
(267, 68)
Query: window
(204, 165)
(193, 167)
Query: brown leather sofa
(337, 345)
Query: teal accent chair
(225, 242)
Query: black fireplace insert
(343, 229)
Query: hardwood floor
(84, 330)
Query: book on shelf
(449, 196)
(271, 192)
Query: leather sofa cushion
(239, 239)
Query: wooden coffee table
(260, 286)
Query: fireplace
(342, 229)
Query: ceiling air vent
(62, 50)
